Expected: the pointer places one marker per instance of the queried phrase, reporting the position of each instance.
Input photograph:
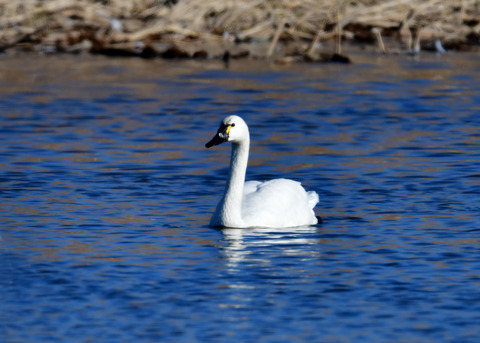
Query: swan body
(274, 203)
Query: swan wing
(251, 187)
(278, 203)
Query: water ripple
(106, 193)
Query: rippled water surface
(106, 193)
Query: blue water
(106, 191)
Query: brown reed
(260, 28)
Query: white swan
(274, 203)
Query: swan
(275, 203)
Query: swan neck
(238, 167)
(232, 202)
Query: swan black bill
(221, 136)
(216, 140)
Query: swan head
(232, 129)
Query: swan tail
(312, 199)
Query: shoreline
(280, 31)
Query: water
(107, 189)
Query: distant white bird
(274, 203)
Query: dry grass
(132, 26)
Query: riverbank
(282, 30)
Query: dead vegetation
(286, 30)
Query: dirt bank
(283, 30)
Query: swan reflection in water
(260, 245)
